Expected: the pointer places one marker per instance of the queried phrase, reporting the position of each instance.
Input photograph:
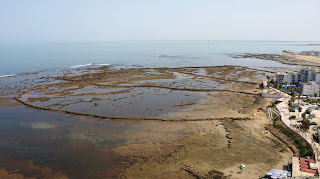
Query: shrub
(292, 117)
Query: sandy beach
(307, 58)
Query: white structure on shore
(309, 88)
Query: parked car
(313, 123)
(308, 111)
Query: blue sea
(17, 58)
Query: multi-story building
(284, 78)
(295, 77)
(316, 77)
(306, 75)
(309, 88)
(303, 76)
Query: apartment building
(309, 88)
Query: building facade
(306, 75)
(295, 77)
(316, 77)
(284, 78)
(309, 88)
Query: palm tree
(293, 97)
(299, 97)
(307, 96)
(299, 109)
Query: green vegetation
(291, 110)
(291, 90)
(292, 117)
(299, 109)
(309, 100)
(303, 147)
(296, 139)
(306, 122)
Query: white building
(306, 75)
(316, 77)
(284, 78)
(309, 88)
(295, 77)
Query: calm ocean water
(18, 58)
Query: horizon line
(159, 40)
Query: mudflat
(153, 93)
(199, 121)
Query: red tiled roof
(303, 162)
(311, 160)
(307, 160)
(304, 166)
(309, 170)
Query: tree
(308, 98)
(290, 104)
(299, 95)
(306, 123)
(268, 77)
(315, 96)
(303, 116)
(280, 86)
(299, 109)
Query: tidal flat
(112, 122)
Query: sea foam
(77, 66)
(90, 64)
(4, 76)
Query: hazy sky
(91, 20)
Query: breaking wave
(4, 76)
(89, 64)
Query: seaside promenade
(283, 109)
